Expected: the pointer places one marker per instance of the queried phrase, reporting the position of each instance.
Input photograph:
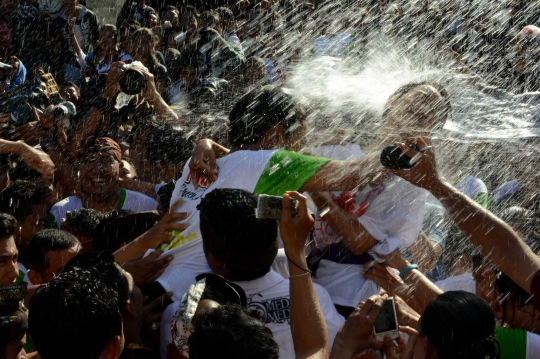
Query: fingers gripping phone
(386, 324)
(392, 157)
(271, 206)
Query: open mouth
(98, 181)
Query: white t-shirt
(129, 200)
(391, 212)
(269, 172)
(270, 296)
(463, 282)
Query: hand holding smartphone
(386, 324)
(271, 207)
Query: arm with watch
(411, 285)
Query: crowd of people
(133, 158)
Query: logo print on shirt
(201, 182)
(276, 310)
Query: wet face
(70, 94)
(107, 40)
(99, 174)
(126, 40)
(142, 46)
(172, 17)
(15, 349)
(127, 171)
(56, 260)
(9, 269)
(417, 112)
(188, 22)
(151, 21)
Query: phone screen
(386, 320)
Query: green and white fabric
(270, 172)
(129, 200)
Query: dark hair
(226, 15)
(122, 227)
(74, 316)
(151, 12)
(83, 222)
(19, 170)
(171, 8)
(230, 332)
(400, 92)
(460, 325)
(8, 223)
(71, 84)
(103, 266)
(19, 199)
(43, 242)
(260, 110)
(214, 15)
(231, 232)
(112, 28)
(132, 25)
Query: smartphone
(271, 206)
(386, 324)
(392, 157)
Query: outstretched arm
(494, 238)
(346, 225)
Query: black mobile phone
(271, 206)
(386, 324)
(392, 157)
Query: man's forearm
(494, 238)
(344, 224)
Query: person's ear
(113, 348)
(34, 277)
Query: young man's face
(70, 94)
(417, 112)
(172, 17)
(56, 260)
(9, 269)
(99, 174)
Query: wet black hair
(83, 221)
(43, 242)
(19, 170)
(170, 8)
(400, 92)
(122, 227)
(230, 332)
(225, 14)
(245, 244)
(103, 267)
(74, 316)
(460, 325)
(110, 27)
(20, 197)
(260, 110)
(8, 223)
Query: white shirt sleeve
(533, 345)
